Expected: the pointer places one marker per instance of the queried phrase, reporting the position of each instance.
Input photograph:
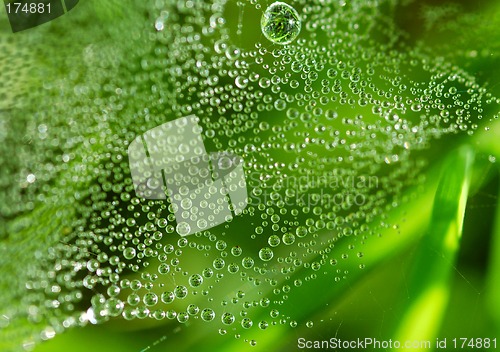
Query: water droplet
(227, 318)
(266, 254)
(207, 314)
(280, 23)
(246, 323)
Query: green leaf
(429, 284)
(494, 272)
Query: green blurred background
(370, 302)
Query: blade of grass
(487, 143)
(494, 273)
(429, 284)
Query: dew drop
(266, 254)
(280, 23)
(207, 314)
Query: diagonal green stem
(429, 284)
(493, 292)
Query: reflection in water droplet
(280, 23)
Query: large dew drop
(280, 23)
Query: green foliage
(429, 283)
(494, 273)
(361, 90)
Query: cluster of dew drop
(325, 116)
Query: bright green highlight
(494, 273)
(429, 286)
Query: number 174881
(472, 343)
(19, 7)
